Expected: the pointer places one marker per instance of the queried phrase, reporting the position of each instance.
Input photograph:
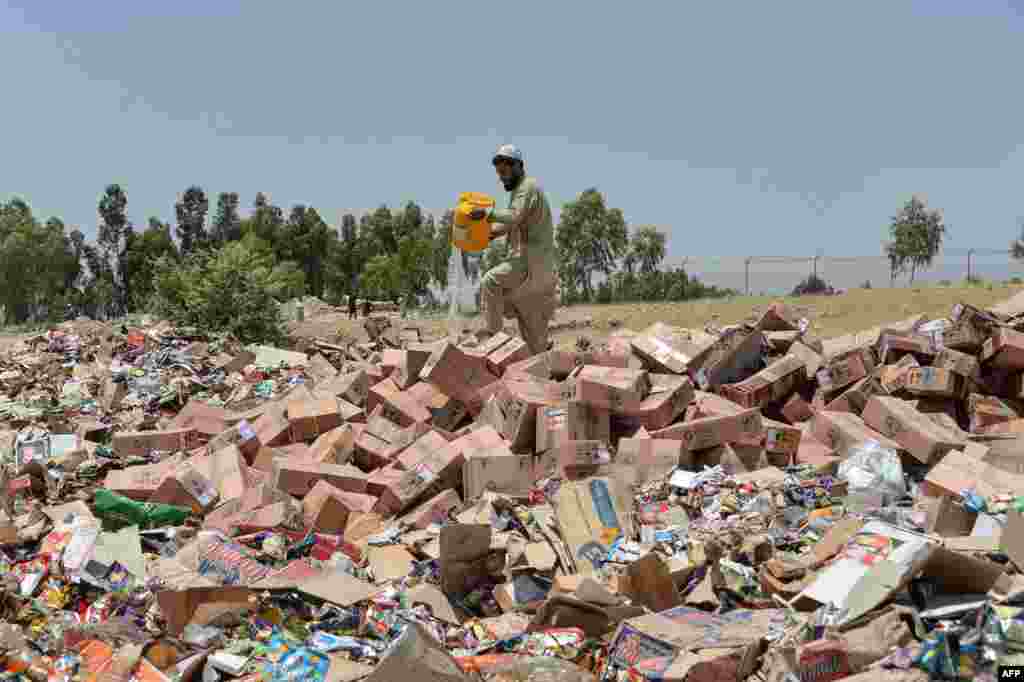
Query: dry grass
(830, 316)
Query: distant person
(524, 284)
(353, 312)
(367, 308)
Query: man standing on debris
(352, 312)
(524, 284)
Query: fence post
(746, 269)
(970, 252)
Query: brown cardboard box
(337, 446)
(140, 482)
(131, 443)
(272, 428)
(498, 470)
(934, 382)
(659, 355)
(536, 367)
(445, 412)
(589, 422)
(297, 477)
(422, 447)
(612, 388)
(578, 458)
(379, 392)
(207, 421)
(668, 399)
(518, 402)
(403, 409)
(781, 439)
(552, 428)
(413, 359)
(842, 372)
(186, 487)
(963, 337)
(438, 470)
(797, 409)
(963, 364)
(734, 356)
(779, 317)
(921, 437)
(227, 470)
(311, 418)
(326, 508)
(840, 431)
(458, 374)
(380, 479)
(352, 386)
(434, 510)
(708, 432)
(1004, 349)
(968, 470)
(652, 458)
(771, 384)
(499, 360)
(893, 346)
(383, 440)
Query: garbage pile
(750, 502)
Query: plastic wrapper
(291, 663)
(117, 511)
(872, 471)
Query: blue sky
(737, 127)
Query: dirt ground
(830, 316)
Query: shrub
(234, 290)
(812, 285)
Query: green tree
(235, 289)
(191, 212)
(307, 242)
(917, 235)
(646, 250)
(227, 225)
(266, 222)
(590, 239)
(37, 262)
(112, 240)
(144, 250)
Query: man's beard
(512, 182)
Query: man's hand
(478, 214)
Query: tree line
(400, 255)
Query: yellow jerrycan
(471, 236)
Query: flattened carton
(934, 382)
(1004, 349)
(967, 366)
(129, 443)
(659, 355)
(841, 430)
(733, 356)
(592, 513)
(773, 383)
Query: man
(524, 285)
(352, 306)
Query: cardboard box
(536, 367)
(351, 386)
(840, 431)
(186, 487)
(733, 357)
(403, 409)
(708, 432)
(311, 418)
(134, 443)
(552, 428)
(592, 513)
(140, 482)
(383, 440)
(652, 458)
(967, 366)
(920, 436)
(660, 356)
(497, 470)
(337, 446)
(517, 403)
(842, 372)
(985, 411)
(612, 388)
(968, 470)
(380, 479)
(326, 508)
(773, 383)
(963, 337)
(297, 477)
(499, 360)
(458, 374)
(207, 421)
(419, 449)
(589, 422)
(445, 412)
(781, 439)
(379, 392)
(272, 428)
(1004, 349)
(408, 371)
(669, 397)
(893, 346)
(797, 409)
(227, 470)
(934, 382)
(434, 510)
(578, 458)
(438, 470)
